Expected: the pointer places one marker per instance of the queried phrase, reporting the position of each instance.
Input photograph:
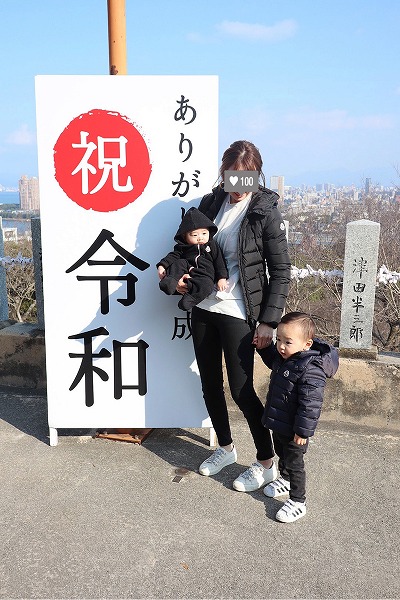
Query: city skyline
(313, 85)
(276, 183)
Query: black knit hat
(194, 219)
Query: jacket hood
(194, 219)
(328, 354)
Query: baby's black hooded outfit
(204, 262)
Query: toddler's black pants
(291, 464)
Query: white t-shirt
(228, 220)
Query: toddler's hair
(305, 321)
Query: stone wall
(363, 392)
(22, 356)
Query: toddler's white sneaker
(277, 488)
(291, 511)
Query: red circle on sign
(101, 161)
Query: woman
(251, 234)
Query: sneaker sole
(210, 473)
(240, 488)
(290, 520)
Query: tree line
(321, 297)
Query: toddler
(300, 365)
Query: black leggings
(214, 334)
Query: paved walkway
(94, 518)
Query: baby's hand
(182, 287)
(299, 440)
(222, 284)
(161, 272)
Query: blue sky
(315, 84)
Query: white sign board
(118, 158)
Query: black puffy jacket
(296, 388)
(262, 246)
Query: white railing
(8, 261)
(383, 276)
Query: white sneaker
(255, 477)
(279, 487)
(291, 511)
(219, 459)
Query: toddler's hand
(222, 284)
(161, 272)
(299, 440)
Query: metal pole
(117, 37)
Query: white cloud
(337, 120)
(257, 32)
(307, 139)
(21, 136)
(195, 37)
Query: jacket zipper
(196, 259)
(250, 319)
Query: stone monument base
(365, 353)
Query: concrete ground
(93, 518)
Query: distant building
(29, 193)
(10, 234)
(367, 185)
(277, 184)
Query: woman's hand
(263, 336)
(182, 288)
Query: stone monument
(359, 283)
